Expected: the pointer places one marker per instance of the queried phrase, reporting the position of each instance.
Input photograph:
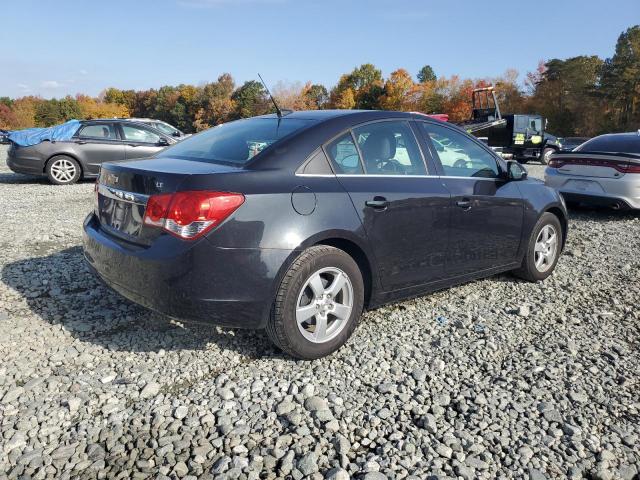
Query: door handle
(379, 203)
(81, 142)
(465, 204)
(132, 144)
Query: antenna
(279, 112)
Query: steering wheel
(460, 163)
(390, 165)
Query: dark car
(95, 142)
(296, 224)
(569, 143)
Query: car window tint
(612, 144)
(389, 148)
(460, 156)
(139, 134)
(102, 130)
(235, 143)
(344, 155)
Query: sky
(65, 47)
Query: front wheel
(546, 155)
(63, 170)
(318, 304)
(543, 250)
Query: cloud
(51, 84)
(83, 72)
(23, 87)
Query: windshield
(612, 143)
(167, 129)
(234, 143)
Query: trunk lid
(600, 165)
(123, 189)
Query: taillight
(555, 163)
(190, 214)
(633, 168)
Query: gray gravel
(493, 379)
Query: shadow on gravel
(601, 214)
(11, 178)
(59, 289)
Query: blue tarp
(33, 136)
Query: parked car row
(296, 223)
(95, 142)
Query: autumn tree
(621, 80)
(426, 74)
(251, 99)
(396, 91)
(362, 89)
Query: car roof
(320, 115)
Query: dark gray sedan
(95, 142)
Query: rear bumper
(621, 192)
(196, 282)
(27, 165)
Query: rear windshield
(612, 143)
(234, 143)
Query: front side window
(235, 143)
(104, 131)
(139, 134)
(389, 148)
(460, 156)
(166, 129)
(344, 155)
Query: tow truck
(520, 136)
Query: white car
(602, 171)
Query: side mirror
(163, 142)
(176, 134)
(515, 171)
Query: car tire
(63, 170)
(309, 318)
(534, 268)
(546, 155)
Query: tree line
(583, 96)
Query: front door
(487, 211)
(140, 141)
(404, 212)
(98, 143)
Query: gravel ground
(493, 379)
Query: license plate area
(120, 211)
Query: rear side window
(612, 144)
(459, 155)
(235, 143)
(389, 148)
(100, 131)
(344, 155)
(139, 134)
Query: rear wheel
(543, 250)
(546, 155)
(318, 304)
(63, 170)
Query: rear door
(487, 211)
(140, 141)
(404, 210)
(98, 143)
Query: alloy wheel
(546, 248)
(324, 305)
(63, 170)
